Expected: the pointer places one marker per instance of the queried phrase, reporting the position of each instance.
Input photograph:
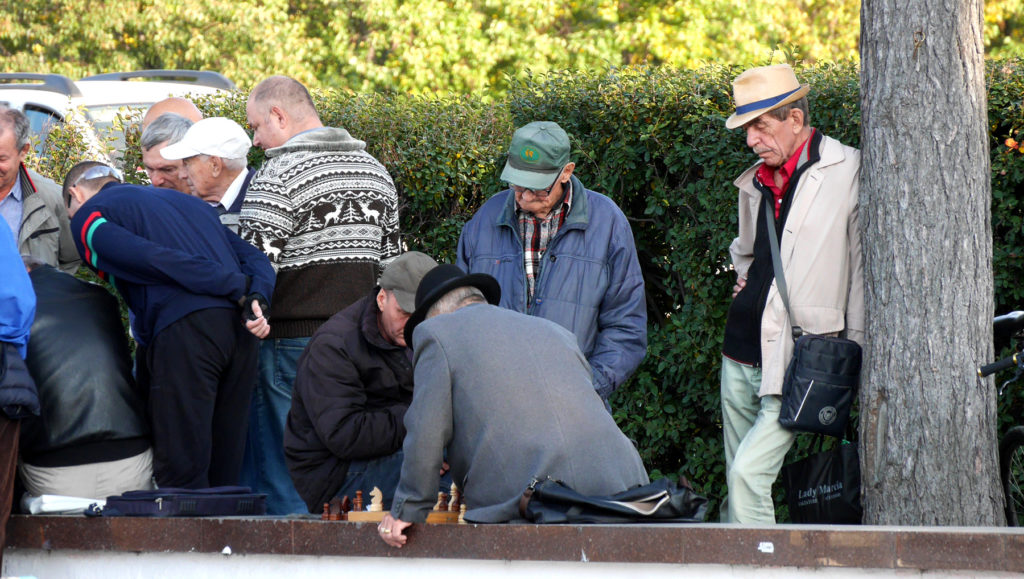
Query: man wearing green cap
(353, 385)
(562, 252)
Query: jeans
(382, 472)
(263, 467)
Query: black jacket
(351, 391)
(78, 356)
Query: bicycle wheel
(1011, 473)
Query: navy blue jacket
(589, 281)
(167, 254)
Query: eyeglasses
(538, 193)
(97, 172)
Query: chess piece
(326, 516)
(346, 504)
(335, 513)
(376, 501)
(357, 505)
(442, 502)
(462, 514)
(453, 505)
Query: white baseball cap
(215, 136)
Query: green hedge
(654, 140)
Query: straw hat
(762, 89)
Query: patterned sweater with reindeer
(326, 214)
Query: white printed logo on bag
(827, 415)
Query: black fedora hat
(441, 280)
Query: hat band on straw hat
(762, 104)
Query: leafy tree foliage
(434, 46)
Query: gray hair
(457, 298)
(782, 113)
(16, 121)
(167, 128)
(234, 164)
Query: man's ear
(23, 152)
(77, 194)
(216, 166)
(278, 116)
(798, 119)
(566, 172)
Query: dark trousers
(199, 373)
(8, 472)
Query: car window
(102, 117)
(40, 121)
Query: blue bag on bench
(174, 502)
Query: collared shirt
(12, 207)
(537, 233)
(766, 174)
(228, 199)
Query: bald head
(177, 105)
(278, 109)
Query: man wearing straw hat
(810, 183)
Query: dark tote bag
(662, 501)
(825, 487)
(822, 377)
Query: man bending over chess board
(510, 397)
(352, 387)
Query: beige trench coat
(821, 257)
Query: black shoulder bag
(822, 378)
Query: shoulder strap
(780, 278)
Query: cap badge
(529, 155)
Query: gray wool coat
(511, 398)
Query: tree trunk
(928, 425)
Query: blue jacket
(589, 280)
(17, 309)
(167, 254)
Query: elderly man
(809, 183)
(92, 436)
(352, 389)
(30, 204)
(563, 253)
(213, 156)
(510, 397)
(326, 213)
(167, 129)
(177, 105)
(188, 281)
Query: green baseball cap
(538, 153)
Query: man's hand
(741, 282)
(256, 323)
(390, 530)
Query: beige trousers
(92, 481)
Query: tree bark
(928, 425)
